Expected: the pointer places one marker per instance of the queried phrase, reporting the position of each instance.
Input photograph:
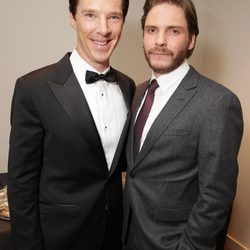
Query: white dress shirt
(106, 104)
(168, 83)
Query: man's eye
(115, 18)
(150, 30)
(89, 15)
(174, 32)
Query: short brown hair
(73, 6)
(189, 11)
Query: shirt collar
(165, 81)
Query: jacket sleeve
(220, 138)
(25, 161)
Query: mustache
(162, 51)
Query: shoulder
(49, 72)
(213, 101)
(209, 88)
(125, 80)
(120, 74)
(124, 77)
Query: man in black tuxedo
(69, 124)
(183, 145)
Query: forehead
(166, 15)
(100, 5)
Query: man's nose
(103, 27)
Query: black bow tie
(92, 77)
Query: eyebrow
(150, 26)
(118, 13)
(168, 27)
(175, 27)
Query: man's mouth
(160, 54)
(101, 43)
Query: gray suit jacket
(180, 188)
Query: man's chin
(163, 68)
(160, 69)
(102, 59)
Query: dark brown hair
(189, 11)
(73, 6)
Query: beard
(176, 61)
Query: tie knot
(92, 77)
(152, 87)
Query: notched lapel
(180, 98)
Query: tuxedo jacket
(181, 186)
(61, 193)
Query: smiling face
(98, 25)
(166, 38)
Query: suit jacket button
(106, 207)
(132, 175)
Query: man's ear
(192, 42)
(72, 21)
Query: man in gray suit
(182, 148)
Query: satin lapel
(69, 94)
(127, 95)
(183, 94)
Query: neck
(100, 67)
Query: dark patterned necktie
(92, 77)
(143, 115)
